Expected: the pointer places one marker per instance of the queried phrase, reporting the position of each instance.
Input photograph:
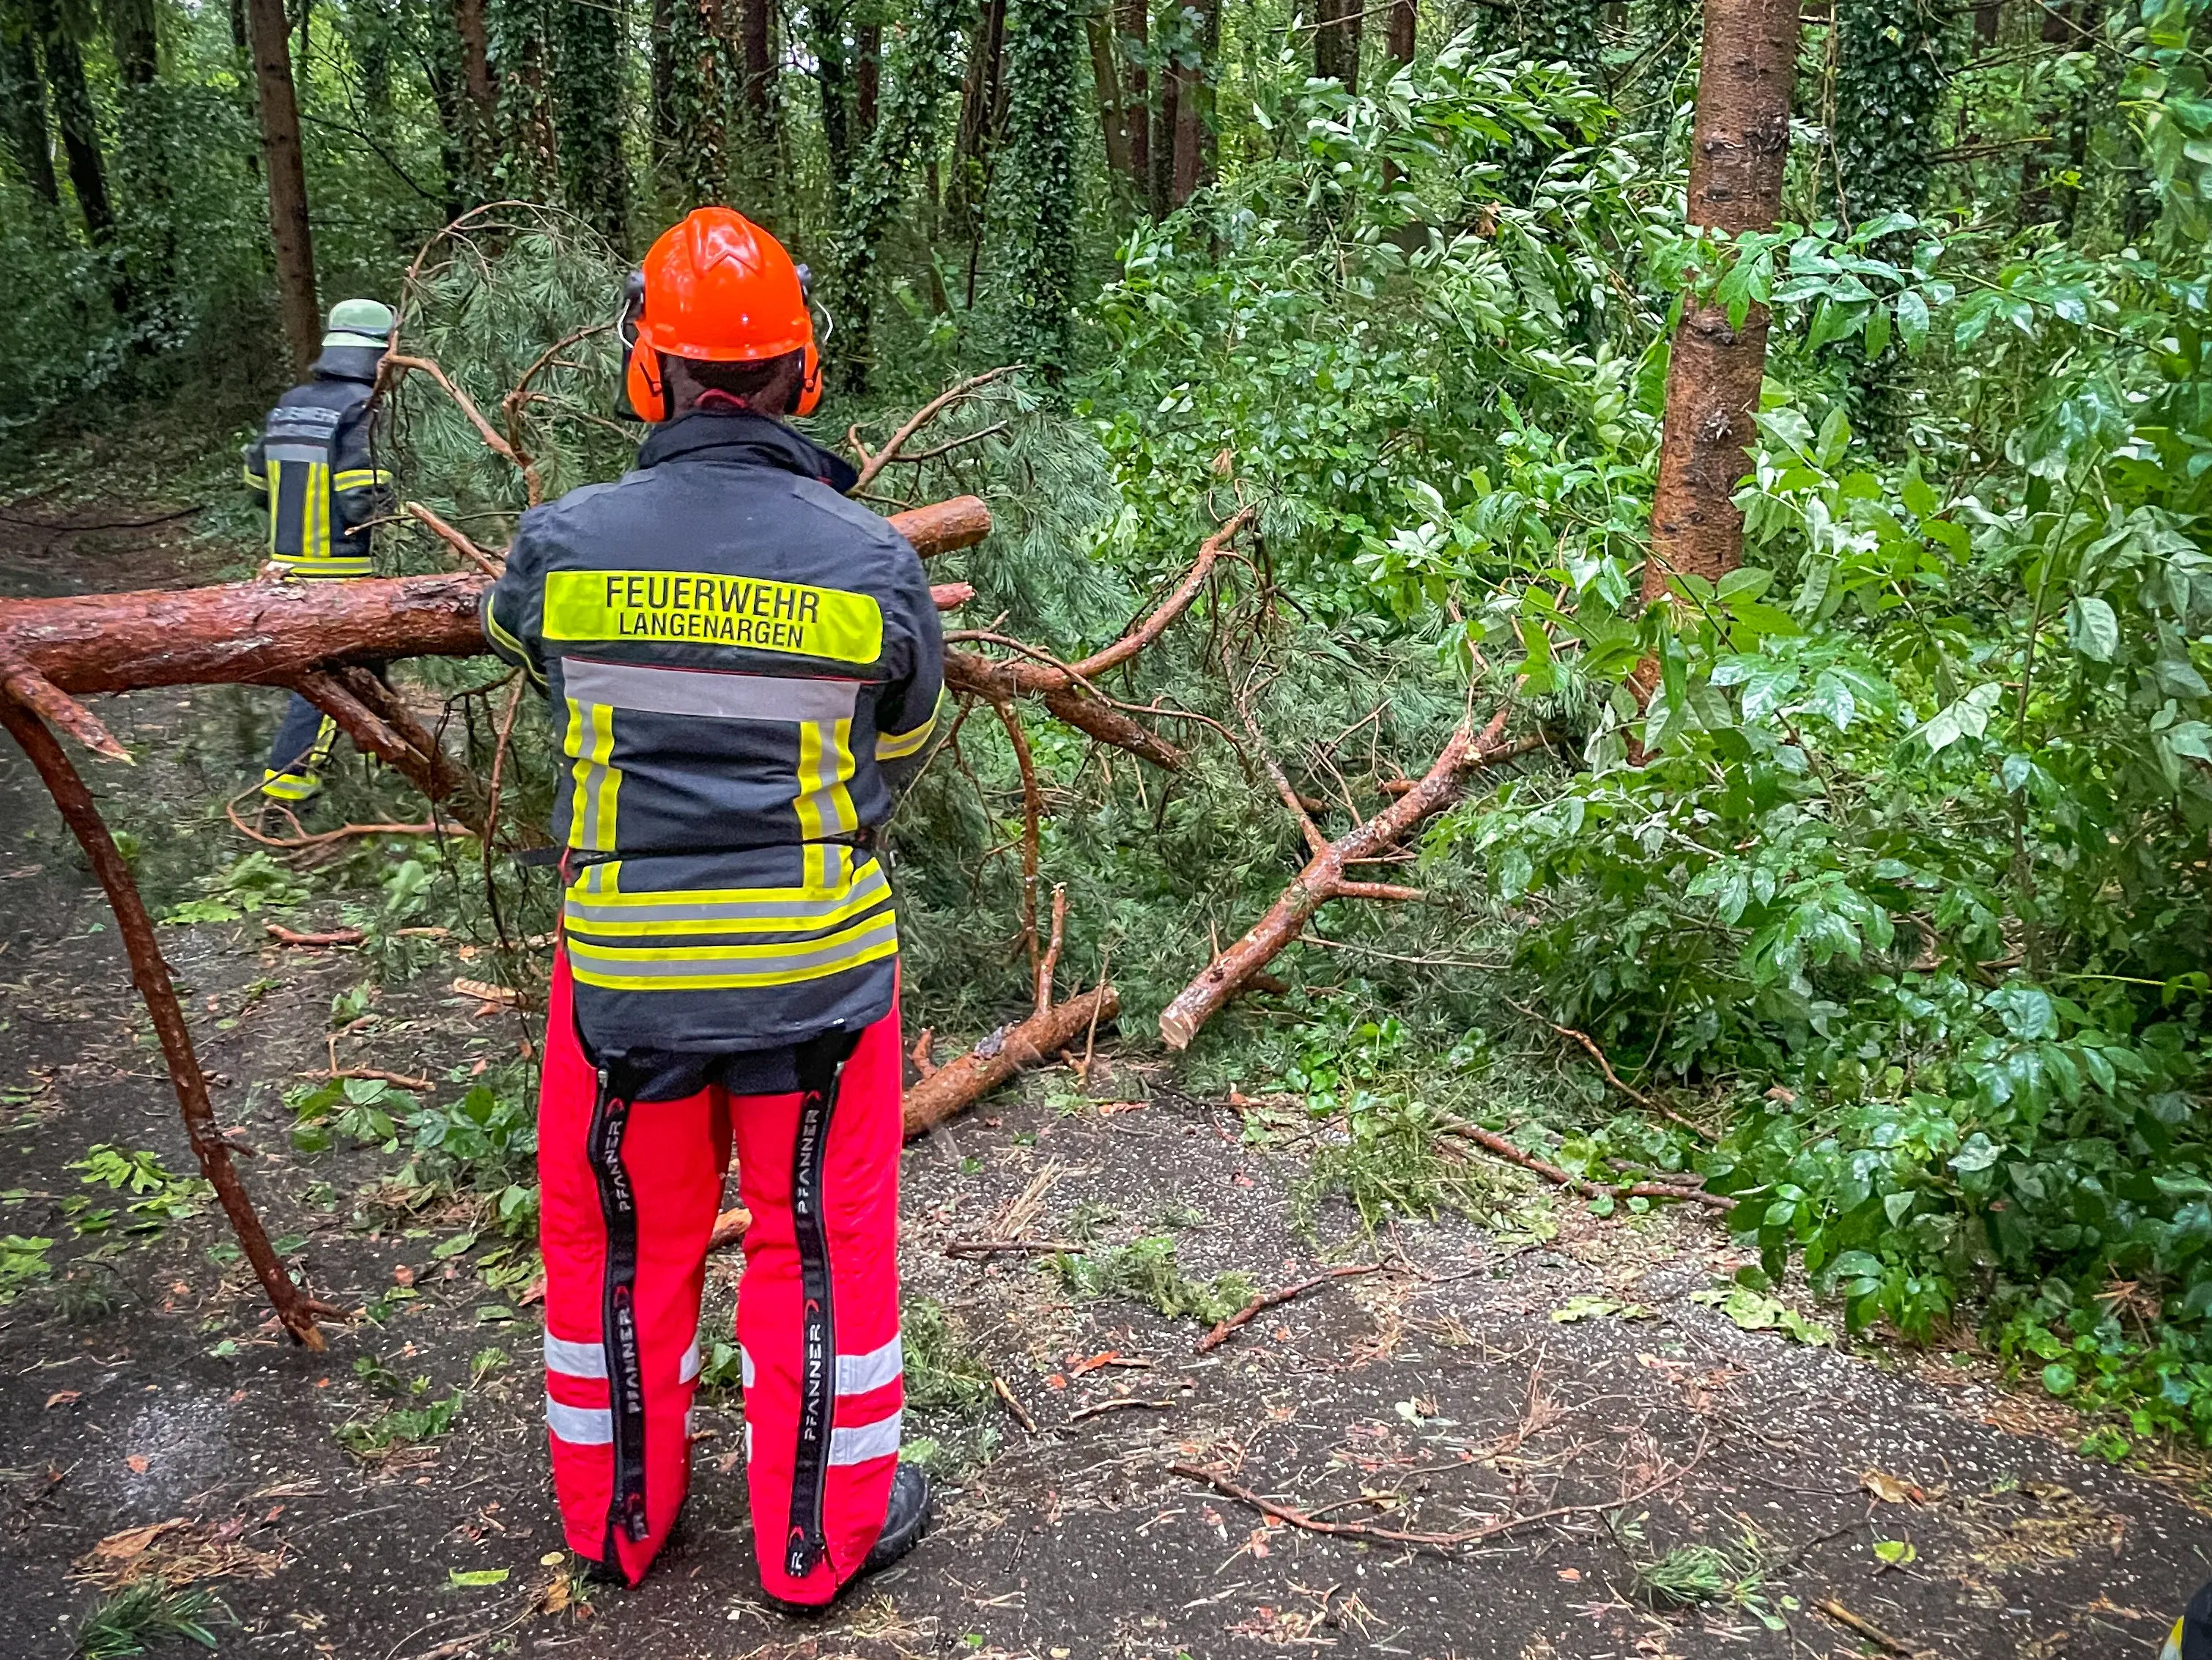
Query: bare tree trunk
(475, 81)
(1989, 18)
(1113, 115)
(1137, 93)
(1404, 15)
(1737, 149)
(1336, 41)
(288, 179)
(759, 66)
(1164, 123)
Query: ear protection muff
(809, 372)
(642, 397)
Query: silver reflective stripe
(744, 1367)
(749, 1443)
(687, 1367)
(867, 888)
(706, 960)
(574, 1359)
(858, 1446)
(296, 452)
(703, 692)
(580, 1427)
(858, 1373)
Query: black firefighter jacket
(315, 461)
(743, 666)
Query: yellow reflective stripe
(318, 485)
(687, 920)
(2172, 1649)
(255, 480)
(591, 746)
(897, 745)
(289, 786)
(708, 609)
(598, 883)
(506, 640)
(276, 501)
(721, 968)
(354, 479)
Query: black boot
(905, 1520)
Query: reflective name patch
(699, 607)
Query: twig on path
(1441, 1542)
(1020, 1412)
(284, 936)
(729, 1228)
(374, 1074)
(1491, 1141)
(1866, 1628)
(967, 1249)
(1258, 1305)
(1589, 1044)
(1119, 1404)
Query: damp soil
(152, 1418)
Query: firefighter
(315, 468)
(745, 668)
(2191, 1638)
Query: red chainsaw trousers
(629, 1193)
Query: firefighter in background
(2191, 1638)
(745, 667)
(315, 466)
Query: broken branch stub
(958, 1084)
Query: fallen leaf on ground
(1890, 1489)
(63, 1397)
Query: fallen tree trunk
(1323, 878)
(273, 633)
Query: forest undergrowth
(1880, 863)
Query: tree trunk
(867, 79)
(130, 31)
(24, 96)
(1137, 93)
(979, 104)
(691, 138)
(588, 103)
(1737, 150)
(833, 75)
(1113, 112)
(73, 110)
(1209, 129)
(1336, 41)
(475, 81)
(759, 66)
(288, 179)
(1404, 15)
(1988, 19)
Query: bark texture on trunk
(1337, 25)
(24, 95)
(981, 87)
(1405, 16)
(274, 633)
(286, 169)
(475, 81)
(74, 114)
(1137, 92)
(1106, 81)
(759, 66)
(1737, 150)
(867, 79)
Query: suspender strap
(618, 1302)
(820, 1062)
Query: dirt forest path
(1554, 1389)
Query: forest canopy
(1872, 837)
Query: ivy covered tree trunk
(518, 41)
(867, 77)
(694, 122)
(922, 60)
(1186, 100)
(23, 105)
(587, 102)
(1889, 92)
(1736, 158)
(1039, 195)
(282, 160)
(1337, 26)
(757, 19)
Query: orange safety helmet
(718, 289)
